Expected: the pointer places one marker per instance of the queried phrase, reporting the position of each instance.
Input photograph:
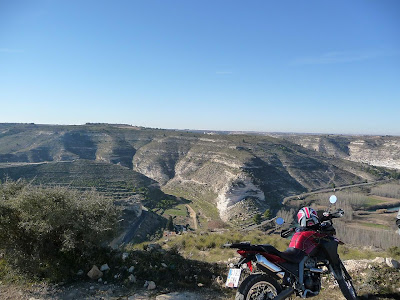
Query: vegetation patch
(208, 246)
(52, 232)
(374, 225)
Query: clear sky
(288, 66)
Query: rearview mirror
(332, 199)
(279, 221)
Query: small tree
(267, 214)
(170, 224)
(257, 218)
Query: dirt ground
(98, 291)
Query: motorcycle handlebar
(329, 216)
(286, 233)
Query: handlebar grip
(286, 233)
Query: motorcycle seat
(291, 254)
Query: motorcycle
(272, 274)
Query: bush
(53, 232)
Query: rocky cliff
(383, 151)
(233, 175)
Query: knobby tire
(345, 283)
(255, 281)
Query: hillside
(381, 151)
(227, 176)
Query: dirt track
(193, 215)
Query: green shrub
(53, 232)
(394, 251)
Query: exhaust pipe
(270, 266)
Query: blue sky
(287, 66)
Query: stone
(164, 265)
(125, 256)
(95, 273)
(80, 273)
(378, 260)
(104, 268)
(392, 263)
(131, 269)
(220, 281)
(132, 278)
(150, 285)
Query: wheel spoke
(260, 290)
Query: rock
(378, 260)
(100, 280)
(392, 263)
(131, 269)
(356, 265)
(125, 256)
(91, 288)
(150, 285)
(220, 281)
(80, 273)
(164, 265)
(104, 268)
(132, 278)
(200, 285)
(95, 273)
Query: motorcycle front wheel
(258, 286)
(344, 281)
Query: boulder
(95, 273)
(392, 263)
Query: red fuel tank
(306, 241)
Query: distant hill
(232, 176)
(381, 151)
